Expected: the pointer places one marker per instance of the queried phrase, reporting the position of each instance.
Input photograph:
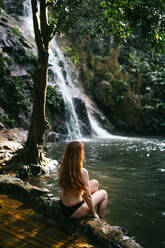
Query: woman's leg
(100, 200)
(93, 185)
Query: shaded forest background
(126, 79)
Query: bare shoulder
(84, 176)
(84, 172)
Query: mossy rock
(129, 111)
(101, 67)
(89, 77)
(102, 92)
(108, 76)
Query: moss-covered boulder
(128, 113)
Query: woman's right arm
(87, 193)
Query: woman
(79, 195)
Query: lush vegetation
(15, 96)
(136, 77)
(54, 100)
(148, 81)
(125, 48)
(102, 32)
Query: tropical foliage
(13, 90)
(118, 21)
(136, 32)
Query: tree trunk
(32, 151)
(38, 124)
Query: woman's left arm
(87, 193)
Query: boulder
(12, 7)
(17, 189)
(53, 137)
(83, 119)
(128, 115)
(3, 118)
(1, 125)
(26, 171)
(101, 92)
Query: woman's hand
(95, 215)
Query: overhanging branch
(38, 37)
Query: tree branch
(43, 18)
(38, 37)
(46, 29)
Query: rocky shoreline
(45, 203)
(10, 141)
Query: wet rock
(37, 170)
(104, 122)
(13, 187)
(13, 7)
(18, 65)
(35, 192)
(1, 125)
(60, 63)
(10, 42)
(101, 92)
(26, 171)
(49, 206)
(53, 137)
(19, 190)
(110, 236)
(10, 141)
(3, 118)
(83, 119)
(6, 147)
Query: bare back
(72, 196)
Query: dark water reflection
(132, 170)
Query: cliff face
(13, 7)
(127, 81)
(17, 62)
(18, 57)
(108, 82)
(108, 85)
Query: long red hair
(71, 165)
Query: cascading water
(68, 87)
(65, 84)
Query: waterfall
(69, 87)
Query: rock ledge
(45, 203)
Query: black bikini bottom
(69, 210)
